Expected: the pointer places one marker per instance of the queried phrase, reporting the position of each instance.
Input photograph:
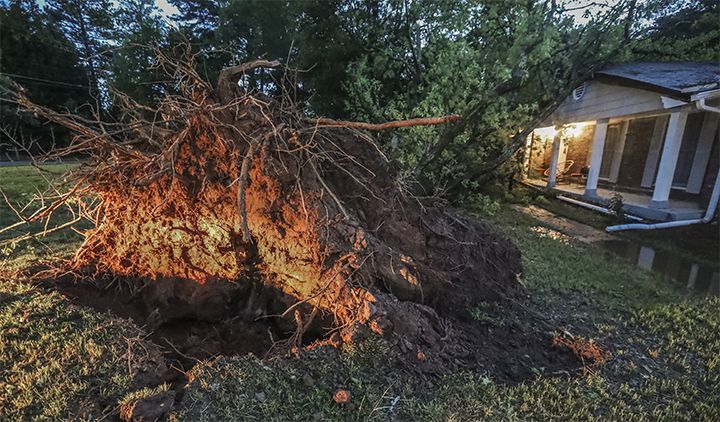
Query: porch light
(568, 131)
(573, 131)
(547, 133)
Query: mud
(574, 229)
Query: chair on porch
(562, 172)
(581, 177)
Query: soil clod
(148, 409)
(341, 396)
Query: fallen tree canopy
(227, 202)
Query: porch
(634, 203)
(661, 164)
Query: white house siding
(602, 101)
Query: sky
(593, 6)
(581, 6)
(166, 9)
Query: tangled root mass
(223, 187)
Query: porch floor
(634, 203)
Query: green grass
(58, 361)
(554, 267)
(61, 362)
(245, 388)
(20, 184)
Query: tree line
(503, 65)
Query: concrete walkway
(572, 228)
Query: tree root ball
(241, 188)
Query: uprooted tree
(221, 192)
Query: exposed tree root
(222, 186)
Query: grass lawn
(58, 361)
(62, 362)
(20, 184)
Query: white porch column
(702, 153)
(653, 156)
(596, 154)
(668, 159)
(554, 158)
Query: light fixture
(546, 133)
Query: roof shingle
(678, 78)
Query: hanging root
(244, 169)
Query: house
(647, 131)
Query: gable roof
(678, 79)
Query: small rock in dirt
(148, 409)
(308, 380)
(341, 396)
(421, 356)
(319, 416)
(260, 396)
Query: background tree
(138, 30)
(681, 30)
(87, 23)
(197, 23)
(38, 56)
(312, 35)
(503, 65)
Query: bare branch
(376, 127)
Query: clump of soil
(224, 203)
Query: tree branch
(428, 121)
(231, 75)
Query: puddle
(697, 278)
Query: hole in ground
(192, 322)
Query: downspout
(712, 205)
(701, 105)
(594, 207)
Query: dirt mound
(222, 193)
